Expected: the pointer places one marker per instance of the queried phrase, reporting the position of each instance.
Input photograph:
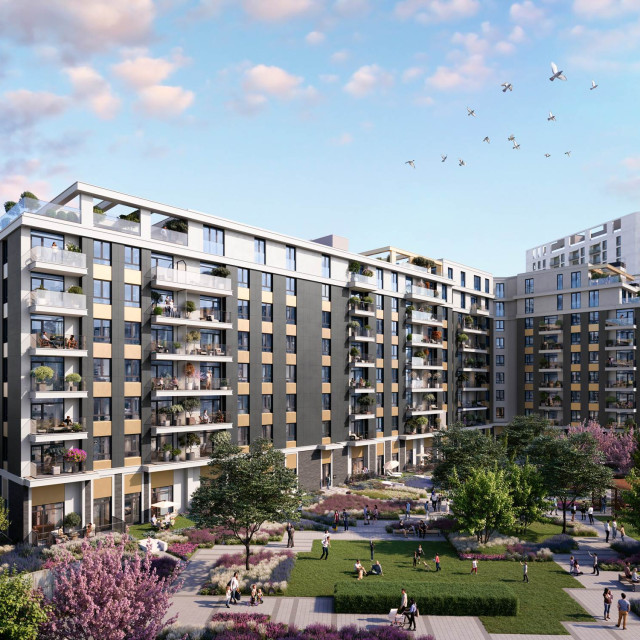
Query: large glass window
(102, 291)
(575, 300)
(243, 278)
(326, 266)
(50, 325)
(102, 369)
(48, 282)
(243, 341)
(132, 408)
(132, 370)
(576, 279)
(243, 309)
(291, 287)
(291, 344)
(259, 251)
(291, 258)
(559, 282)
(499, 289)
(267, 403)
(47, 517)
(132, 258)
(267, 373)
(290, 315)
(326, 347)
(102, 409)
(101, 252)
(291, 373)
(102, 331)
(161, 260)
(132, 333)
(243, 372)
(326, 319)
(594, 298)
(267, 342)
(131, 295)
(243, 405)
(528, 285)
(44, 239)
(102, 448)
(477, 283)
(267, 312)
(213, 240)
(267, 282)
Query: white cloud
(469, 73)
(606, 50)
(273, 81)
(161, 101)
(278, 10)
(345, 138)
(329, 78)
(249, 104)
(23, 109)
(340, 56)
(77, 29)
(351, 8)
(631, 163)
(429, 11)
(472, 42)
(411, 74)
(505, 48)
(89, 86)
(140, 70)
(367, 80)
(315, 37)
(629, 185)
(526, 13)
(517, 34)
(424, 101)
(595, 9)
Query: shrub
(434, 599)
(560, 543)
(166, 566)
(626, 548)
(202, 537)
(22, 609)
(182, 550)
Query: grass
(139, 531)
(629, 529)
(543, 603)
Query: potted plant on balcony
(410, 309)
(55, 451)
(75, 289)
(191, 442)
(367, 300)
(73, 380)
(224, 384)
(430, 400)
(367, 328)
(73, 248)
(76, 427)
(610, 399)
(43, 375)
(409, 337)
(437, 422)
(165, 411)
(354, 266)
(544, 396)
(157, 311)
(354, 352)
(71, 521)
(189, 372)
(166, 451)
(221, 272)
(367, 273)
(190, 405)
(462, 338)
(468, 321)
(176, 454)
(544, 363)
(75, 457)
(421, 423)
(436, 335)
(189, 307)
(155, 297)
(354, 326)
(365, 403)
(435, 379)
(174, 410)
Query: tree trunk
(564, 516)
(247, 546)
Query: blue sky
(298, 115)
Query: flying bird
(557, 75)
(511, 138)
(567, 153)
(486, 139)
(547, 155)
(461, 163)
(507, 87)
(444, 157)
(516, 145)
(593, 85)
(551, 117)
(471, 112)
(411, 163)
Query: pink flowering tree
(618, 448)
(108, 595)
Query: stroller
(397, 619)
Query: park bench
(627, 581)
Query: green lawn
(629, 529)
(543, 604)
(139, 531)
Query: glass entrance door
(102, 514)
(132, 508)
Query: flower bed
(392, 494)
(182, 550)
(513, 553)
(574, 528)
(269, 570)
(355, 503)
(465, 543)
(22, 557)
(441, 524)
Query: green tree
(4, 517)
(527, 493)
(571, 466)
(631, 498)
(465, 450)
(22, 610)
(482, 502)
(245, 489)
(521, 432)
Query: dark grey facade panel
(340, 374)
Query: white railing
(116, 224)
(422, 291)
(188, 278)
(423, 316)
(359, 278)
(62, 299)
(167, 235)
(62, 257)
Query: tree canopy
(21, 608)
(527, 492)
(521, 432)
(618, 448)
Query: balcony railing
(550, 346)
(621, 405)
(626, 342)
(620, 322)
(631, 300)
(598, 282)
(59, 257)
(474, 325)
(424, 384)
(40, 208)
(61, 299)
(116, 224)
(361, 332)
(422, 292)
(620, 363)
(191, 420)
(201, 315)
(356, 360)
(192, 348)
(167, 235)
(358, 278)
(187, 279)
(58, 343)
(622, 384)
(57, 384)
(56, 466)
(57, 427)
(363, 306)
(189, 384)
(426, 362)
(550, 327)
(425, 316)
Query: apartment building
(132, 330)
(566, 345)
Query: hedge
(432, 599)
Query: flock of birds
(556, 74)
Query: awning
(392, 464)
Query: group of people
(164, 523)
(409, 609)
(438, 503)
(376, 569)
(612, 528)
(57, 342)
(623, 608)
(232, 595)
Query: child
(474, 566)
(228, 595)
(254, 595)
(259, 596)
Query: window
(243, 372)
(528, 341)
(499, 289)
(326, 266)
(394, 351)
(267, 373)
(528, 285)
(463, 300)
(594, 298)
(102, 448)
(267, 282)
(499, 307)
(395, 305)
(499, 361)
(326, 292)
(559, 302)
(132, 408)
(243, 436)
(379, 302)
(326, 374)
(132, 258)
(594, 357)
(487, 288)
(326, 401)
(48, 282)
(132, 333)
(576, 278)
(499, 343)
(267, 312)
(102, 331)
(131, 295)
(326, 347)
(379, 424)
(499, 325)
(528, 358)
(463, 279)
(290, 315)
(500, 377)
(394, 398)
(267, 342)
(292, 431)
(380, 278)
(101, 252)
(243, 309)
(450, 273)
(291, 402)
(379, 351)
(594, 377)
(132, 446)
(102, 369)
(132, 370)
(102, 291)
(594, 397)
(291, 258)
(291, 286)
(500, 395)
(575, 300)
(291, 344)
(213, 240)
(102, 409)
(528, 377)
(291, 373)
(394, 328)
(499, 413)
(477, 283)
(528, 396)
(575, 319)
(575, 396)
(559, 282)
(326, 319)
(243, 278)
(379, 326)
(594, 317)
(47, 516)
(161, 260)
(259, 251)
(267, 403)
(594, 337)
(528, 323)
(394, 282)
(575, 358)
(243, 405)
(575, 377)
(380, 375)
(243, 341)
(326, 429)
(528, 305)
(575, 338)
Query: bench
(627, 581)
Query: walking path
(196, 610)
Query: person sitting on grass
(376, 569)
(360, 570)
(576, 568)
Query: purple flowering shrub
(182, 550)
(166, 566)
(204, 538)
(230, 560)
(388, 509)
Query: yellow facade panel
(101, 389)
(132, 277)
(326, 361)
(243, 357)
(291, 387)
(528, 332)
(101, 311)
(326, 305)
(101, 464)
(575, 328)
(326, 415)
(291, 461)
(131, 351)
(290, 358)
(267, 296)
(132, 483)
(291, 330)
(243, 388)
(326, 387)
(292, 416)
(47, 495)
(132, 426)
(132, 462)
(101, 350)
(267, 327)
(243, 293)
(326, 333)
(243, 420)
(267, 357)
(267, 388)
(575, 348)
(102, 272)
(132, 389)
(102, 428)
(379, 448)
(267, 418)
(291, 301)
(394, 411)
(102, 487)
(243, 324)
(162, 479)
(575, 406)
(133, 314)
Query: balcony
(621, 407)
(362, 361)
(472, 406)
(56, 388)
(472, 325)
(360, 334)
(66, 346)
(56, 466)
(39, 208)
(103, 221)
(360, 438)
(362, 413)
(199, 457)
(550, 346)
(613, 365)
(198, 351)
(202, 318)
(473, 417)
(626, 343)
(550, 385)
(426, 363)
(59, 303)
(164, 424)
(419, 340)
(544, 328)
(426, 317)
(616, 323)
(363, 309)
(52, 430)
(424, 385)
(470, 364)
(181, 387)
(56, 260)
(167, 235)
(360, 282)
(424, 409)
(361, 386)
(600, 282)
(474, 347)
(475, 309)
(545, 365)
(423, 294)
(190, 280)
(617, 385)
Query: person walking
(365, 513)
(228, 596)
(621, 531)
(614, 529)
(608, 599)
(474, 566)
(583, 511)
(407, 510)
(574, 509)
(525, 571)
(403, 602)
(607, 531)
(371, 548)
(336, 520)
(415, 558)
(437, 561)
(411, 615)
(234, 583)
(345, 519)
(623, 611)
(326, 543)
(590, 514)
(288, 535)
(596, 568)
(292, 532)
(603, 504)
